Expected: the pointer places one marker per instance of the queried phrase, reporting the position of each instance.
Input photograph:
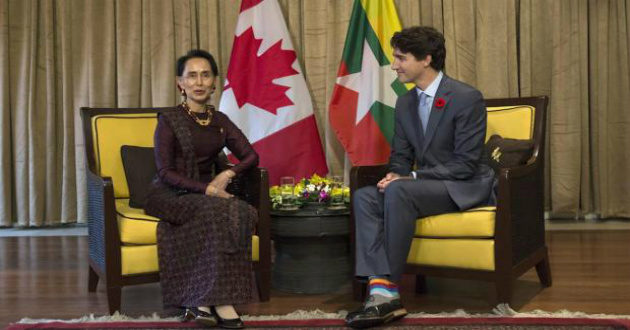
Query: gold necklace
(193, 115)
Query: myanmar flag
(362, 104)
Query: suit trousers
(386, 222)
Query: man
(440, 127)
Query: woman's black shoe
(201, 317)
(236, 323)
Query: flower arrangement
(315, 189)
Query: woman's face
(197, 80)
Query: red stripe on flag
(343, 70)
(293, 151)
(364, 142)
(246, 4)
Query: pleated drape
(59, 55)
(609, 78)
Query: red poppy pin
(439, 103)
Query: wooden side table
(312, 249)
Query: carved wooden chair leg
(113, 299)
(264, 283)
(543, 269)
(504, 287)
(359, 290)
(421, 284)
(92, 280)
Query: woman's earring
(213, 89)
(182, 92)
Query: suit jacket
(451, 150)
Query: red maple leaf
(246, 4)
(251, 76)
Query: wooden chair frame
(520, 204)
(104, 235)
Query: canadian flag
(266, 95)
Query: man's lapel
(440, 102)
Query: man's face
(408, 68)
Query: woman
(204, 238)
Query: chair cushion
(138, 234)
(255, 250)
(515, 122)
(477, 254)
(135, 227)
(473, 223)
(139, 165)
(500, 152)
(112, 131)
(139, 259)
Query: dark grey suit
(450, 176)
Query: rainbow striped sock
(382, 291)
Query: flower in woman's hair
(440, 102)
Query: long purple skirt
(204, 247)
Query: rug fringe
(501, 310)
(116, 317)
(505, 310)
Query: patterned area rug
(501, 318)
(407, 323)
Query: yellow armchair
(122, 239)
(496, 244)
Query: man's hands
(217, 187)
(389, 178)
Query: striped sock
(382, 291)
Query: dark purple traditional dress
(204, 243)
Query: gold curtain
(577, 53)
(609, 92)
(59, 55)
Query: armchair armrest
(362, 176)
(520, 212)
(104, 237)
(248, 186)
(518, 171)
(253, 187)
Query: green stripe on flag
(399, 88)
(384, 20)
(360, 31)
(384, 117)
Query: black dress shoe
(201, 317)
(236, 323)
(373, 316)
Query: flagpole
(347, 166)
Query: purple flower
(322, 196)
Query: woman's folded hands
(216, 188)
